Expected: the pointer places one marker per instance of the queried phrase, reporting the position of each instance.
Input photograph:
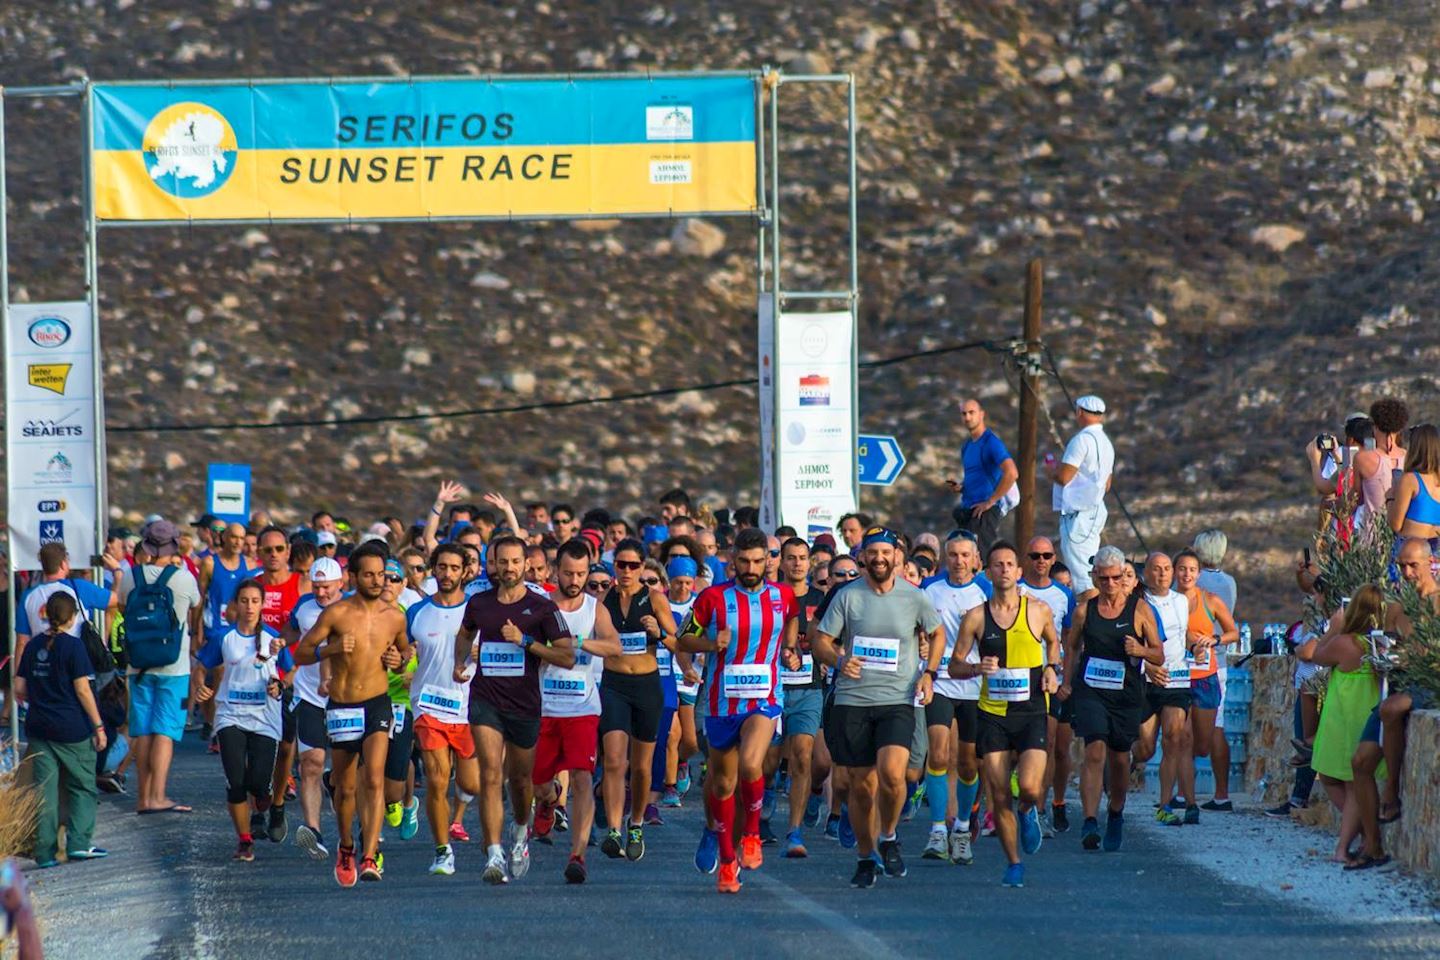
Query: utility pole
(1029, 403)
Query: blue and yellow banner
(434, 148)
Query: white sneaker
(444, 864)
(518, 837)
(960, 847)
(935, 844)
(1047, 832)
(495, 869)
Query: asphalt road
(170, 890)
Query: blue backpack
(153, 634)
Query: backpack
(153, 634)
(95, 646)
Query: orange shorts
(437, 735)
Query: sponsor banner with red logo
(815, 442)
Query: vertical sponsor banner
(50, 431)
(766, 373)
(815, 448)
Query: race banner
(816, 442)
(470, 148)
(50, 432)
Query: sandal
(1366, 862)
(1396, 811)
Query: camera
(1326, 442)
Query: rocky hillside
(1231, 199)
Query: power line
(991, 345)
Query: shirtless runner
(354, 634)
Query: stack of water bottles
(1239, 692)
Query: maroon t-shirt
(507, 677)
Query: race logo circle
(49, 332)
(190, 150)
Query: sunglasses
(598, 586)
(629, 564)
(1042, 556)
(774, 553)
(846, 574)
(276, 550)
(391, 578)
(415, 569)
(650, 581)
(1108, 577)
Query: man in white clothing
(1082, 478)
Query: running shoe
(890, 853)
(444, 863)
(544, 821)
(562, 819)
(936, 845)
(277, 829)
(519, 837)
(345, 867)
(245, 853)
(214, 746)
(257, 823)
(987, 827)
(832, 827)
(1060, 818)
(960, 851)
(1281, 812)
(652, 816)
(846, 832)
(1014, 876)
(707, 854)
(380, 863)
(767, 835)
(393, 813)
(575, 870)
(1192, 816)
(864, 874)
(1030, 834)
(751, 852)
(812, 809)
(1090, 834)
(292, 789)
(671, 797)
(914, 797)
(1167, 817)
(458, 834)
(410, 819)
(795, 845)
(370, 870)
(89, 853)
(635, 844)
(612, 846)
(729, 879)
(682, 782)
(495, 869)
(1046, 830)
(1218, 806)
(307, 838)
(1114, 832)
(767, 805)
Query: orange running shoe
(345, 874)
(728, 880)
(750, 855)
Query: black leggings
(249, 760)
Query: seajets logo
(190, 150)
(53, 428)
(49, 332)
(50, 376)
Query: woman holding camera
(1350, 698)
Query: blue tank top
(1423, 508)
(223, 584)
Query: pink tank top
(1373, 490)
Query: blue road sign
(227, 491)
(880, 460)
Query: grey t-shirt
(881, 630)
(187, 597)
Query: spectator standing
(1415, 509)
(988, 480)
(1082, 478)
(1210, 547)
(1376, 462)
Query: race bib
(634, 644)
(501, 659)
(443, 702)
(1009, 685)
(1104, 674)
(747, 681)
(345, 724)
(1179, 676)
(806, 673)
(247, 694)
(397, 710)
(665, 659)
(877, 653)
(560, 686)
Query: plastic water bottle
(1244, 640)
(1258, 794)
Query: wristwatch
(526, 641)
(934, 675)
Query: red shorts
(566, 743)
(437, 735)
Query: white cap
(379, 529)
(324, 538)
(372, 537)
(1091, 404)
(325, 570)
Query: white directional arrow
(892, 464)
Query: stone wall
(1415, 839)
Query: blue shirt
(30, 611)
(54, 712)
(982, 458)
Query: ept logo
(51, 506)
(49, 332)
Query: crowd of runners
(572, 675)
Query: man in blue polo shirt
(986, 489)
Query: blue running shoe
(795, 845)
(682, 782)
(767, 805)
(1030, 837)
(707, 855)
(410, 819)
(1014, 876)
(832, 827)
(1090, 834)
(847, 835)
(1114, 832)
(812, 809)
(914, 797)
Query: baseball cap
(393, 569)
(1091, 404)
(826, 540)
(325, 570)
(162, 539)
(593, 538)
(206, 520)
(879, 535)
(372, 538)
(324, 538)
(383, 529)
